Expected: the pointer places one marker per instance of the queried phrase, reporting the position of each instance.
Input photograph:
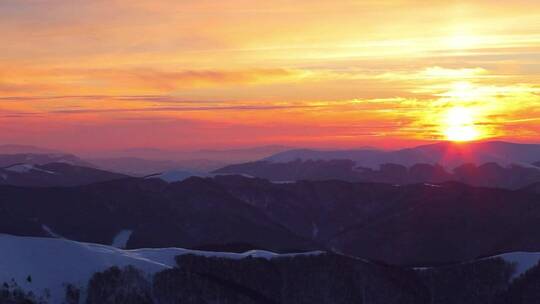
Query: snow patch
(50, 232)
(523, 260)
(283, 182)
(26, 168)
(65, 161)
(21, 168)
(524, 165)
(177, 176)
(314, 230)
(239, 174)
(53, 262)
(122, 238)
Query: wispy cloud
(188, 109)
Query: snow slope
(52, 262)
(26, 168)
(122, 238)
(523, 260)
(178, 176)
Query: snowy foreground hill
(44, 266)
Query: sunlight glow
(459, 125)
(463, 41)
(463, 90)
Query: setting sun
(459, 125)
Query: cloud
(7, 88)
(187, 109)
(147, 81)
(171, 80)
(106, 98)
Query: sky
(93, 75)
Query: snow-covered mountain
(44, 266)
(449, 155)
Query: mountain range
(53, 175)
(41, 159)
(485, 175)
(446, 154)
(141, 167)
(490, 164)
(404, 225)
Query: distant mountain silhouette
(223, 156)
(446, 154)
(489, 164)
(53, 175)
(142, 167)
(41, 159)
(485, 175)
(534, 188)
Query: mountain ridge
(447, 154)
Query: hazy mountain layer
(485, 175)
(446, 154)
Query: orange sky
(86, 75)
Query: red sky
(90, 75)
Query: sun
(459, 125)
